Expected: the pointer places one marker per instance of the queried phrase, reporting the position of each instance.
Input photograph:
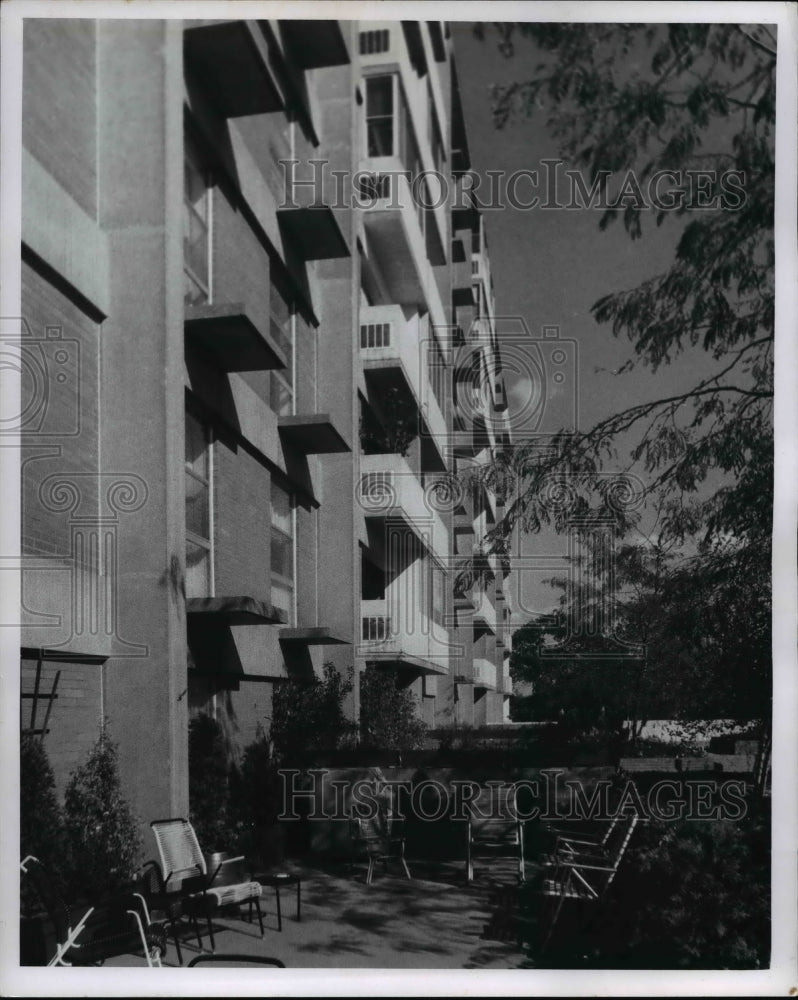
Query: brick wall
(71, 405)
(76, 715)
(242, 523)
(59, 110)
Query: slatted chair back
(621, 845)
(179, 851)
(493, 823)
(576, 842)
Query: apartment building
(258, 349)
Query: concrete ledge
(57, 229)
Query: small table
(278, 881)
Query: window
(372, 42)
(196, 230)
(281, 381)
(199, 514)
(379, 115)
(282, 556)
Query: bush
(690, 895)
(41, 824)
(310, 718)
(102, 831)
(255, 800)
(388, 714)
(209, 784)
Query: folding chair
(493, 824)
(584, 878)
(185, 871)
(91, 934)
(381, 836)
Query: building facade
(259, 358)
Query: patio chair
(185, 871)
(583, 878)
(493, 825)
(88, 935)
(165, 907)
(382, 839)
(575, 842)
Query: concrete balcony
(392, 222)
(393, 348)
(484, 613)
(484, 674)
(389, 489)
(402, 636)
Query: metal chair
(185, 871)
(93, 933)
(583, 878)
(382, 838)
(493, 825)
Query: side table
(278, 881)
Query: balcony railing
(389, 489)
(394, 220)
(484, 674)
(388, 339)
(402, 633)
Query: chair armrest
(566, 863)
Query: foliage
(255, 803)
(309, 718)
(704, 95)
(41, 824)
(388, 713)
(626, 101)
(209, 783)
(681, 639)
(690, 895)
(397, 429)
(102, 831)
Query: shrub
(41, 824)
(209, 783)
(388, 714)
(310, 718)
(690, 895)
(255, 800)
(102, 831)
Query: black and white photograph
(399, 481)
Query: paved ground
(435, 921)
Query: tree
(41, 824)
(388, 713)
(627, 102)
(101, 828)
(308, 718)
(209, 782)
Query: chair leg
(407, 870)
(552, 924)
(210, 932)
(370, 872)
(176, 940)
(195, 924)
(260, 915)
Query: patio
(435, 921)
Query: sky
(550, 267)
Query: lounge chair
(90, 934)
(185, 871)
